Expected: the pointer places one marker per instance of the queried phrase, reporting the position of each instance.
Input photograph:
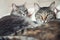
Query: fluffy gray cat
(19, 10)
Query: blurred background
(6, 5)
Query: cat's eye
(50, 17)
(25, 10)
(20, 12)
(23, 14)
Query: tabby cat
(45, 14)
(49, 30)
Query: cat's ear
(56, 10)
(14, 6)
(52, 6)
(36, 6)
(24, 4)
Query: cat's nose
(44, 18)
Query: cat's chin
(43, 22)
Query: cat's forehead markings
(44, 13)
(44, 10)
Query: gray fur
(19, 10)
